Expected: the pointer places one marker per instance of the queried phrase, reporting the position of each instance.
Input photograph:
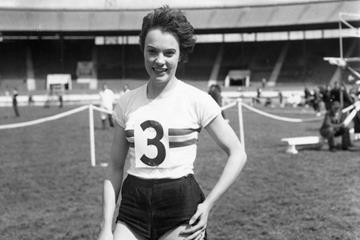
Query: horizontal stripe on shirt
(178, 137)
(182, 144)
(182, 131)
(172, 131)
(174, 144)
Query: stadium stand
(303, 63)
(12, 65)
(69, 36)
(200, 62)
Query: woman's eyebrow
(150, 46)
(167, 49)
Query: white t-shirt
(163, 132)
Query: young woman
(156, 132)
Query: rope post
(92, 135)
(241, 123)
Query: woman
(156, 131)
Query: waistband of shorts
(150, 182)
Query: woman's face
(161, 55)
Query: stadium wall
(303, 63)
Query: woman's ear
(182, 58)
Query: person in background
(281, 99)
(268, 102)
(325, 96)
(15, 102)
(355, 94)
(106, 102)
(332, 127)
(315, 101)
(126, 88)
(215, 92)
(263, 82)
(258, 95)
(30, 100)
(339, 91)
(156, 133)
(307, 96)
(61, 100)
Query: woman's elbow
(238, 154)
(243, 157)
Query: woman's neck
(154, 89)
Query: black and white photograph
(180, 120)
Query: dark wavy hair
(174, 22)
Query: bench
(313, 141)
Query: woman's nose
(160, 59)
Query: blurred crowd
(335, 99)
(325, 95)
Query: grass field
(48, 189)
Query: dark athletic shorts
(152, 207)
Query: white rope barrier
(65, 114)
(92, 131)
(92, 135)
(229, 106)
(239, 103)
(352, 114)
(241, 124)
(42, 120)
(101, 109)
(348, 108)
(286, 119)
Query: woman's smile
(159, 71)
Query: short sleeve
(119, 114)
(207, 109)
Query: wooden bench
(313, 141)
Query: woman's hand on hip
(198, 223)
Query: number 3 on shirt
(151, 144)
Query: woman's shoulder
(195, 96)
(190, 89)
(131, 94)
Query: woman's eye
(169, 54)
(152, 51)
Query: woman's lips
(159, 70)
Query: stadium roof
(125, 16)
(140, 4)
